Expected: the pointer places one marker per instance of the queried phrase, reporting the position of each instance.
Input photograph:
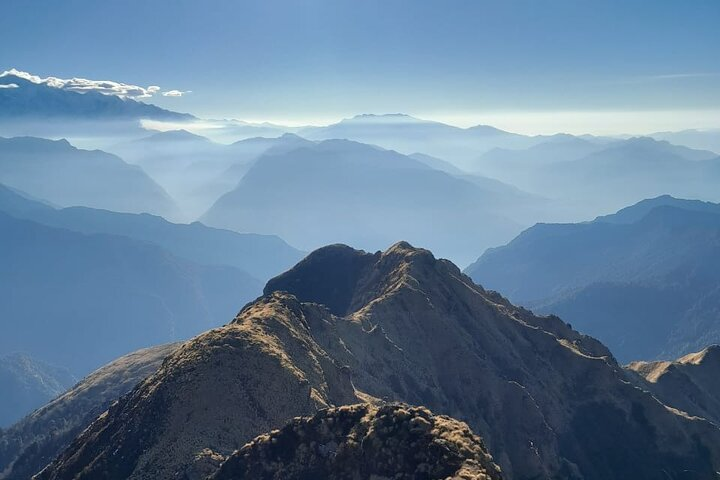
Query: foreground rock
(362, 441)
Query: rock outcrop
(363, 441)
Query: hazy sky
(531, 65)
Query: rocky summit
(346, 327)
(363, 441)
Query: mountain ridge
(547, 400)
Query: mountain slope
(256, 372)
(30, 444)
(362, 441)
(262, 256)
(395, 326)
(645, 281)
(27, 384)
(64, 175)
(81, 300)
(341, 191)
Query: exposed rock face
(401, 326)
(29, 445)
(363, 441)
(689, 383)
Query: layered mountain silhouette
(262, 256)
(195, 170)
(80, 300)
(33, 442)
(28, 384)
(701, 139)
(644, 280)
(66, 176)
(408, 135)
(345, 326)
(593, 176)
(343, 191)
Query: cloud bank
(176, 93)
(84, 85)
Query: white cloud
(9, 85)
(83, 85)
(175, 93)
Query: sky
(535, 66)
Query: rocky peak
(327, 276)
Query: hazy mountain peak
(487, 130)
(29, 144)
(291, 136)
(180, 135)
(384, 118)
(639, 210)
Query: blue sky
(319, 60)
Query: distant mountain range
(701, 139)
(408, 135)
(67, 176)
(195, 170)
(645, 280)
(28, 384)
(103, 295)
(262, 256)
(348, 192)
(592, 177)
(346, 327)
